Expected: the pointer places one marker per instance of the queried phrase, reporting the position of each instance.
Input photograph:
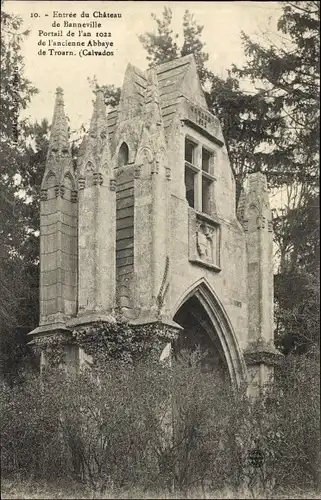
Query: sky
(222, 21)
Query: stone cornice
(260, 351)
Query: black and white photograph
(159, 239)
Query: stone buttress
(125, 140)
(255, 215)
(152, 202)
(58, 228)
(58, 231)
(96, 221)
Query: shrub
(156, 427)
(30, 437)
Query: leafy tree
(249, 125)
(297, 290)
(20, 262)
(16, 94)
(22, 167)
(297, 311)
(288, 72)
(192, 44)
(16, 89)
(162, 46)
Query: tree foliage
(162, 46)
(23, 150)
(288, 72)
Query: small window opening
(123, 155)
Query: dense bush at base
(162, 428)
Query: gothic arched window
(123, 155)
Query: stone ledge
(260, 351)
(203, 263)
(203, 131)
(167, 330)
(206, 217)
(49, 330)
(146, 321)
(90, 317)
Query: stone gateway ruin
(147, 227)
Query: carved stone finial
(258, 182)
(98, 124)
(95, 147)
(59, 160)
(254, 208)
(59, 136)
(152, 94)
(153, 115)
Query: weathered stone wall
(125, 238)
(228, 275)
(58, 254)
(97, 217)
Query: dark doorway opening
(199, 336)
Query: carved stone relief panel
(204, 240)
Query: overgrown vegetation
(163, 429)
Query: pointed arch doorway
(207, 329)
(198, 336)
